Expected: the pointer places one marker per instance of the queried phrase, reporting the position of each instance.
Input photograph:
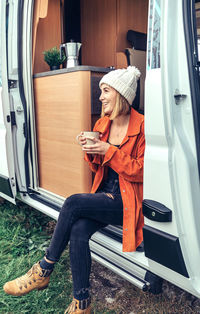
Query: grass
(23, 239)
(24, 235)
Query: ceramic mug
(88, 135)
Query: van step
(133, 267)
(150, 283)
(141, 284)
(120, 264)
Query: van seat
(137, 56)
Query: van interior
(113, 35)
(197, 9)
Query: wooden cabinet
(98, 32)
(63, 109)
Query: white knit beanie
(124, 81)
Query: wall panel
(47, 33)
(98, 32)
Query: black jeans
(80, 217)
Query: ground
(119, 296)
(113, 294)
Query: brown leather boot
(35, 278)
(79, 307)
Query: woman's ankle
(82, 294)
(46, 264)
(48, 261)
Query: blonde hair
(122, 107)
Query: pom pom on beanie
(124, 81)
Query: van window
(197, 9)
(154, 35)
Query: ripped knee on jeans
(110, 195)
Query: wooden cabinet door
(98, 32)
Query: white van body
(172, 154)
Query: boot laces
(71, 308)
(23, 280)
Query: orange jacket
(127, 161)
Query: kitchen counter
(73, 69)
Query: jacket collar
(134, 123)
(133, 127)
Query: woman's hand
(81, 139)
(99, 147)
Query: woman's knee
(70, 201)
(74, 200)
(70, 205)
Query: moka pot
(71, 50)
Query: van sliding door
(13, 115)
(171, 173)
(7, 171)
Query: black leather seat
(137, 56)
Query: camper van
(43, 110)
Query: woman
(115, 198)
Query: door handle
(179, 97)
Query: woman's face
(108, 98)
